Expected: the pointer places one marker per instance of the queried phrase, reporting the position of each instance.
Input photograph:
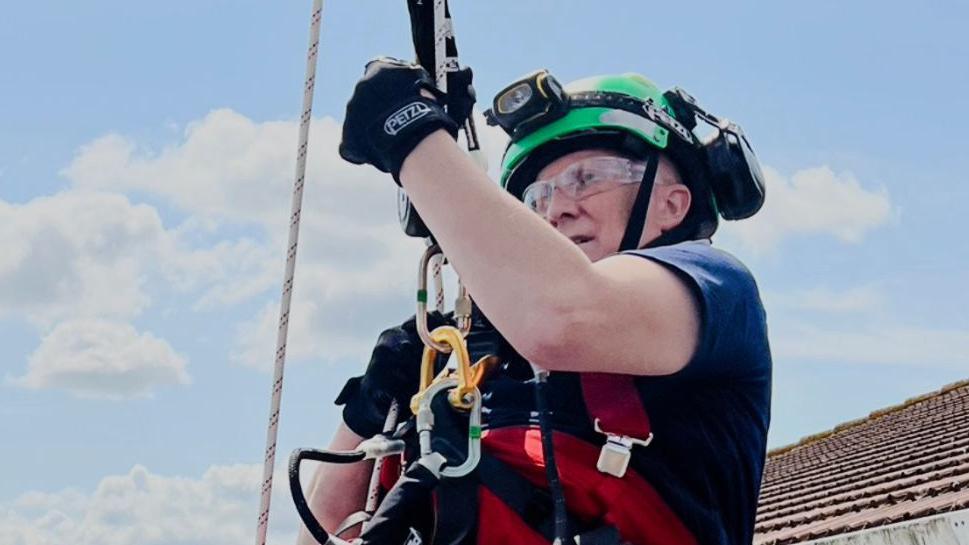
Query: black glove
(392, 374)
(387, 116)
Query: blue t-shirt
(709, 420)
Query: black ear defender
(735, 175)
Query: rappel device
(437, 52)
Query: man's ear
(675, 205)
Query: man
(676, 325)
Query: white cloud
(824, 299)
(82, 254)
(855, 326)
(80, 263)
(336, 314)
(143, 508)
(75, 254)
(228, 272)
(217, 171)
(899, 345)
(100, 359)
(815, 201)
(356, 271)
(229, 167)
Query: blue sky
(146, 155)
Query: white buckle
(617, 451)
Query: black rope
(296, 488)
(561, 515)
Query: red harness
(628, 503)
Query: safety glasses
(584, 179)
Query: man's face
(597, 222)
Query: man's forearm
(509, 258)
(337, 490)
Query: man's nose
(560, 205)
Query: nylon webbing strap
(637, 217)
(601, 390)
(532, 504)
(456, 501)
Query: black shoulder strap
(637, 217)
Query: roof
(900, 463)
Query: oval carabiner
(421, 316)
(452, 338)
(426, 421)
(462, 304)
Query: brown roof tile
(899, 463)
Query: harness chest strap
(624, 423)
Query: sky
(147, 153)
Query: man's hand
(395, 106)
(392, 374)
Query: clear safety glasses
(584, 179)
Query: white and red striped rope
(284, 307)
(441, 33)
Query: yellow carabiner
(459, 396)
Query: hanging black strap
(458, 511)
(456, 503)
(637, 217)
(532, 503)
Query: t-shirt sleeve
(733, 331)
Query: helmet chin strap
(637, 217)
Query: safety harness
(460, 486)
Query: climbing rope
(284, 307)
(440, 76)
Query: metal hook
(425, 425)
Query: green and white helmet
(627, 113)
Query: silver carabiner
(462, 304)
(422, 330)
(425, 427)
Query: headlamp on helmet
(535, 97)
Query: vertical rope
(440, 76)
(282, 332)
(373, 489)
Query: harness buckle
(617, 451)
